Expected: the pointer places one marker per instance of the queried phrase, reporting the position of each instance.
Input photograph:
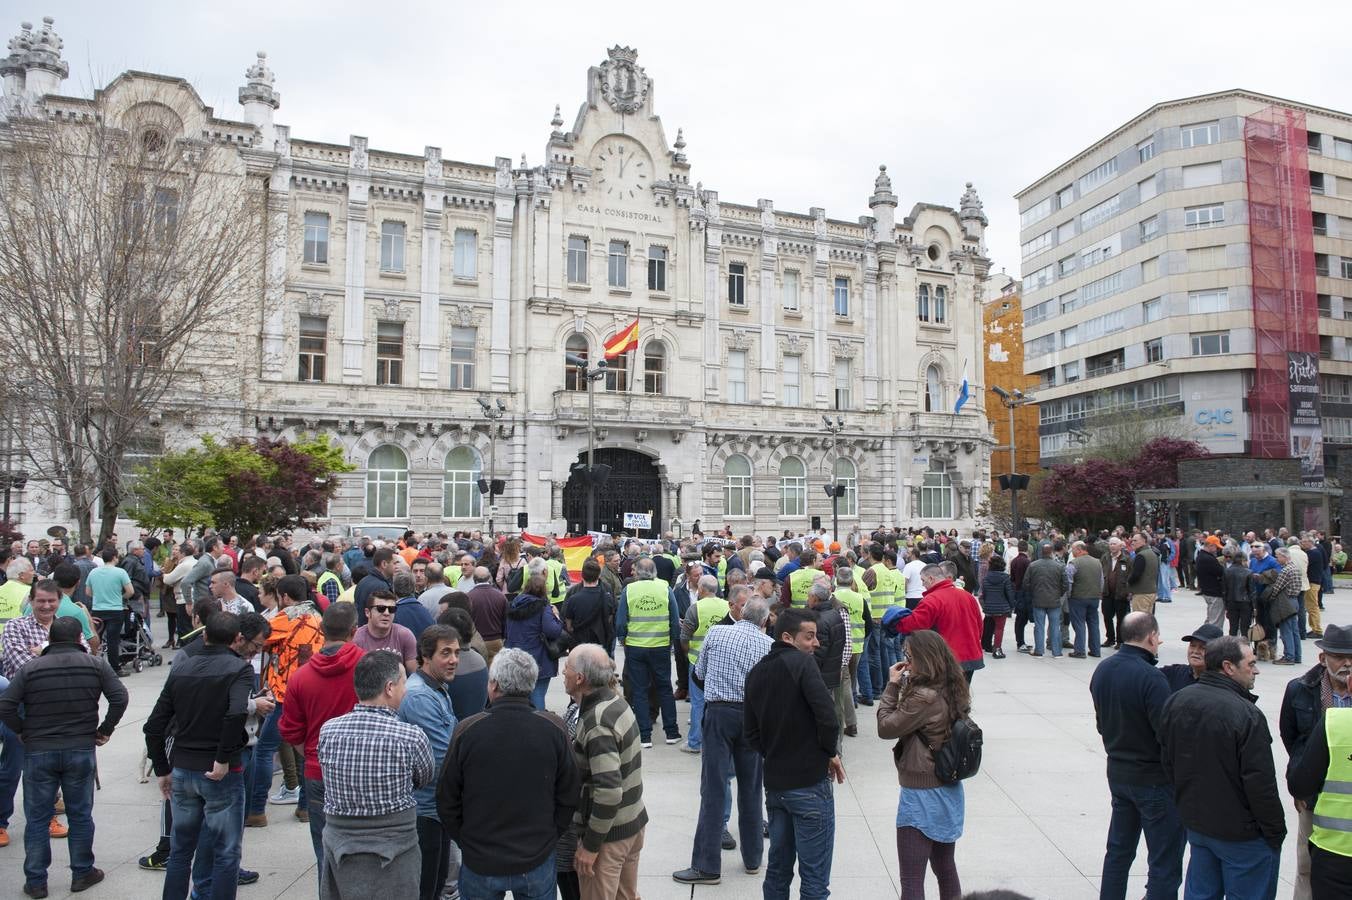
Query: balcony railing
(1105, 369)
(618, 406)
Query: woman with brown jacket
(924, 696)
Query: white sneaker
(647, 745)
(283, 797)
(675, 740)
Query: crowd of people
(401, 688)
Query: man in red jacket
(320, 690)
(952, 612)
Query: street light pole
(834, 488)
(492, 414)
(1012, 400)
(591, 375)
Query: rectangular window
(1153, 310)
(1203, 259)
(1092, 256)
(314, 332)
(1040, 346)
(1342, 149)
(940, 304)
(1103, 287)
(392, 246)
(1148, 188)
(1108, 323)
(792, 375)
(1065, 196)
(1037, 213)
(1321, 264)
(790, 290)
(389, 353)
(317, 238)
(1154, 350)
(617, 269)
(1320, 222)
(1065, 266)
(1150, 269)
(466, 253)
(1208, 216)
(1070, 372)
(1325, 304)
(657, 269)
(1100, 213)
(1314, 142)
(922, 302)
(1039, 278)
(1212, 301)
(1145, 150)
(1069, 302)
(936, 494)
(842, 384)
(1070, 336)
(1200, 134)
(577, 260)
(164, 215)
(1037, 244)
(1149, 229)
(737, 284)
(1211, 343)
(1065, 231)
(736, 376)
(842, 297)
(1097, 176)
(1203, 175)
(1346, 270)
(1036, 313)
(462, 358)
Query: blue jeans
(1048, 622)
(1084, 615)
(44, 771)
(1289, 629)
(802, 825)
(695, 736)
(873, 662)
(260, 772)
(314, 790)
(204, 861)
(537, 884)
(726, 752)
(1148, 808)
(11, 768)
(643, 666)
(537, 694)
(210, 812)
(893, 652)
(1235, 870)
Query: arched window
(654, 368)
(737, 486)
(934, 390)
(845, 474)
(573, 379)
(936, 493)
(387, 483)
(460, 484)
(792, 487)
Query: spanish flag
(575, 550)
(624, 340)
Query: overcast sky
(796, 102)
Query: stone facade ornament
(390, 426)
(970, 206)
(360, 161)
(739, 340)
(394, 309)
(623, 84)
(314, 305)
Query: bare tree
(127, 252)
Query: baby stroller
(138, 644)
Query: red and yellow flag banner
(624, 340)
(575, 550)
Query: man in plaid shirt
(372, 762)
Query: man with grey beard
(1324, 686)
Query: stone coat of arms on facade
(623, 83)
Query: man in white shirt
(915, 588)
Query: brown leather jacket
(918, 722)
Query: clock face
(623, 169)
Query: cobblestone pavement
(1037, 813)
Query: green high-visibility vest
(854, 602)
(800, 581)
(884, 588)
(325, 579)
(554, 583)
(648, 604)
(1333, 810)
(709, 611)
(859, 579)
(723, 575)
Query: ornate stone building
(401, 289)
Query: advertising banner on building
(1307, 437)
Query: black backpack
(960, 756)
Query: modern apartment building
(1140, 258)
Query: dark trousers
(651, 665)
(1115, 609)
(1150, 810)
(1240, 616)
(314, 796)
(992, 632)
(1022, 614)
(682, 667)
(112, 633)
(1330, 874)
(436, 857)
(727, 752)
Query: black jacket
(997, 594)
(1237, 589)
(140, 578)
(1210, 575)
(589, 614)
(1217, 752)
(59, 692)
(1302, 710)
(1129, 695)
(508, 787)
(789, 718)
(206, 700)
(832, 636)
(1305, 774)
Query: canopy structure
(1244, 508)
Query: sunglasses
(382, 608)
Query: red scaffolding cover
(1285, 307)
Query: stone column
(354, 291)
(504, 210)
(429, 318)
(274, 273)
(822, 311)
(769, 356)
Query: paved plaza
(1037, 814)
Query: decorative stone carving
(623, 84)
(464, 316)
(676, 436)
(360, 161)
(561, 432)
(641, 435)
(314, 305)
(394, 310)
(970, 206)
(602, 434)
(390, 426)
(844, 349)
(739, 340)
(431, 163)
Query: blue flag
(963, 393)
